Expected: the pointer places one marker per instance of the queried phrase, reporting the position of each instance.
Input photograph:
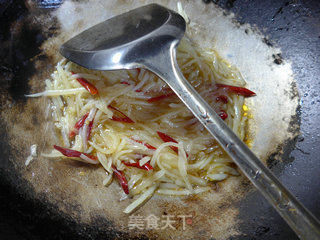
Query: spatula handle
(295, 214)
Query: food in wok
(133, 124)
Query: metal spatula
(147, 37)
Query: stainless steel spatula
(147, 37)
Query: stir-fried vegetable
(135, 146)
(125, 118)
(222, 98)
(145, 166)
(73, 153)
(238, 90)
(223, 114)
(90, 124)
(145, 144)
(126, 83)
(87, 85)
(78, 125)
(167, 138)
(161, 97)
(121, 178)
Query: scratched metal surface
(292, 25)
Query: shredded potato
(188, 165)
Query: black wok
(294, 26)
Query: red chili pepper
(145, 166)
(122, 179)
(87, 85)
(73, 153)
(223, 114)
(126, 83)
(167, 138)
(78, 125)
(238, 90)
(222, 98)
(119, 119)
(90, 124)
(145, 144)
(125, 119)
(158, 98)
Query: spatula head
(127, 40)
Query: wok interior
(60, 183)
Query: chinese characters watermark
(154, 222)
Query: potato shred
(133, 125)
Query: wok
(294, 26)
